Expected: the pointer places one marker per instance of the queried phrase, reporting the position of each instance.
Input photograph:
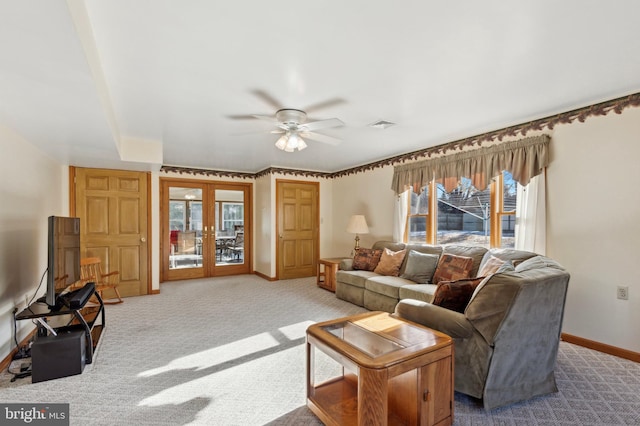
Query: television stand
(75, 316)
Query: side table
(327, 278)
(393, 372)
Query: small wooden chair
(91, 271)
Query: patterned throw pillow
(452, 268)
(390, 262)
(420, 267)
(366, 259)
(490, 266)
(455, 295)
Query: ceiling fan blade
(320, 138)
(267, 98)
(325, 104)
(262, 132)
(242, 117)
(269, 118)
(322, 124)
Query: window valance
(524, 159)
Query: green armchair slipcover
(506, 341)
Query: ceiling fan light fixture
(281, 143)
(290, 141)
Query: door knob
(143, 239)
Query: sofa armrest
(436, 317)
(346, 265)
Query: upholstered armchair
(506, 341)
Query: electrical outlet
(623, 292)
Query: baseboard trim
(157, 291)
(4, 364)
(601, 347)
(265, 277)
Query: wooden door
(297, 228)
(113, 209)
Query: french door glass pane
(229, 227)
(185, 227)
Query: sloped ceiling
(138, 83)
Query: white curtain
(400, 216)
(531, 217)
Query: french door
(206, 229)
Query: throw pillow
(490, 266)
(366, 259)
(390, 262)
(452, 267)
(455, 295)
(420, 267)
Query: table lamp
(357, 225)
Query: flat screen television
(63, 256)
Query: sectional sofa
(506, 334)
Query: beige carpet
(230, 351)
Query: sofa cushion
(455, 295)
(537, 262)
(354, 278)
(366, 259)
(451, 267)
(506, 267)
(393, 246)
(388, 286)
(422, 292)
(390, 262)
(420, 267)
(504, 254)
(490, 266)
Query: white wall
(369, 194)
(32, 187)
(593, 221)
(593, 225)
(264, 228)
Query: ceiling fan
(293, 124)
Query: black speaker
(58, 356)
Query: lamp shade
(357, 225)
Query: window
(465, 215)
(418, 214)
(232, 214)
(185, 215)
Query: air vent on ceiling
(382, 124)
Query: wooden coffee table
(393, 372)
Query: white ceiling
(85, 80)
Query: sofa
(506, 335)
(378, 292)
